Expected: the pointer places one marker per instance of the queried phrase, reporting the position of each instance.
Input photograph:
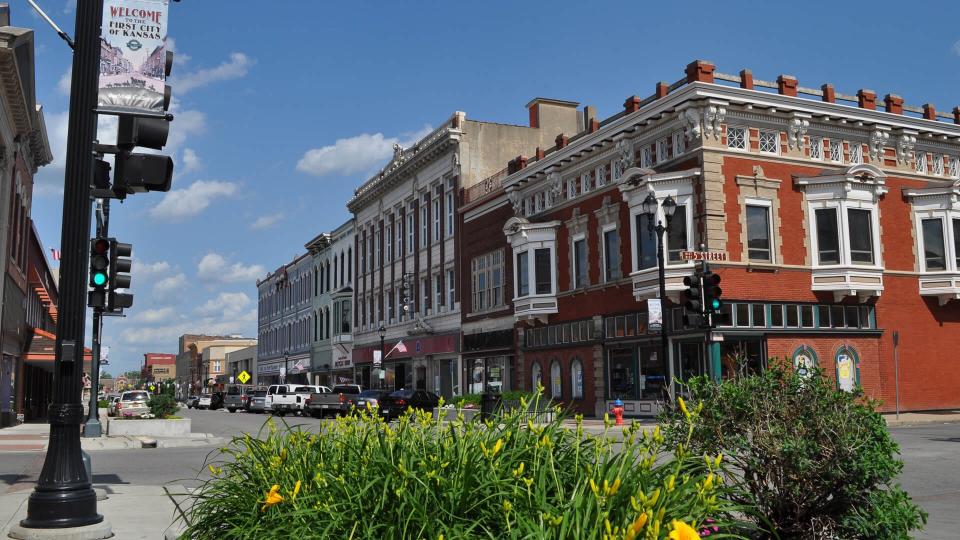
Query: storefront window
(476, 376)
(653, 373)
(745, 355)
(576, 379)
(623, 374)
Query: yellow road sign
(243, 377)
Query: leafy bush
(103, 404)
(810, 460)
(163, 405)
(423, 478)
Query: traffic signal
(694, 292)
(136, 172)
(99, 271)
(712, 292)
(120, 265)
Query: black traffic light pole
(64, 496)
(92, 428)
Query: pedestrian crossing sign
(243, 377)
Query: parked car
(257, 402)
(192, 401)
(133, 403)
(216, 400)
(339, 401)
(371, 397)
(112, 406)
(281, 399)
(203, 402)
(396, 403)
(236, 397)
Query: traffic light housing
(694, 292)
(99, 271)
(712, 292)
(120, 266)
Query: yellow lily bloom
(682, 531)
(273, 497)
(683, 407)
(296, 489)
(634, 528)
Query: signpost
(703, 256)
(243, 377)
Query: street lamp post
(650, 209)
(383, 334)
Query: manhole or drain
(148, 443)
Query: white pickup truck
(290, 398)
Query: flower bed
(427, 478)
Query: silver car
(257, 402)
(133, 403)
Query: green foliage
(163, 405)
(809, 460)
(103, 404)
(424, 478)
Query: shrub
(422, 478)
(163, 405)
(812, 461)
(103, 404)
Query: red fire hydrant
(617, 411)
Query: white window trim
(411, 230)
(663, 151)
(945, 217)
(746, 138)
(843, 227)
(601, 172)
(424, 225)
(437, 220)
(839, 154)
(681, 200)
(679, 146)
(451, 288)
(856, 152)
(920, 162)
(646, 157)
(768, 204)
(603, 252)
(450, 213)
(955, 167)
(585, 182)
(938, 164)
(776, 141)
(816, 142)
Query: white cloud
(265, 222)
(228, 305)
(63, 85)
(354, 154)
(155, 315)
(180, 58)
(956, 48)
(214, 267)
(146, 269)
(168, 334)
(234, 68)
(170, 284)
(191, 161)
(49, 179)
(183, 203)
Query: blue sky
(284, 107)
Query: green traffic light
(715, 304)
(99, 278)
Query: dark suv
(216, 400)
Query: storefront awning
(40, 350)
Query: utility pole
(63, 496)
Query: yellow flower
(682, 531)
(507, 507)
(497, 447)
(296, 490)
(528, 481)
(683, 407)
(634, 528)
(519, 470)
(593, 487)
(272, 498)
(215, 471)
(611, 490)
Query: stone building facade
(331, 360)
(285, 322)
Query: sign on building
(133, 53)
(654, 315)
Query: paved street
(931, 474)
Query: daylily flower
(634, 528)
(296, 490)
(682, 531)
(272, 498)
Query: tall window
(576, 379)
(450, 213)
(451, 297)
(571, 188)
(411, 230)
(376, 248)
(646, 243)
(556, 382)
(934, 252)
(737, 137)
(523, 274)
(677, 237)
(861, 236)
(535, 377)
(580, 263)
(828, 238)
(487, 271)
(388, 296)
(601, 176)
(543, 271)
(758, 233)
(611, 255)
(646, 157)
(388, 235)
(938, 164)
(436, 219)
(437, 292)
(585, 182)
(424, 295)
(662, 153)
(920, 160)
(856, 152)
(955, 167)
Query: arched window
(804, 360)
(848, 368)
(576, 379)
(326, 312)
(322, 335)
(556, 382)
(535, 376)
(315, 337)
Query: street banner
(377, 358)
(133, 44)
(654, 315)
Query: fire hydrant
(617, 411)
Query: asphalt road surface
(931, 455)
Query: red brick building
(158, 367)
(837, 217)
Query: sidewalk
(134, 512)
(33, 438)
(919, 418)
